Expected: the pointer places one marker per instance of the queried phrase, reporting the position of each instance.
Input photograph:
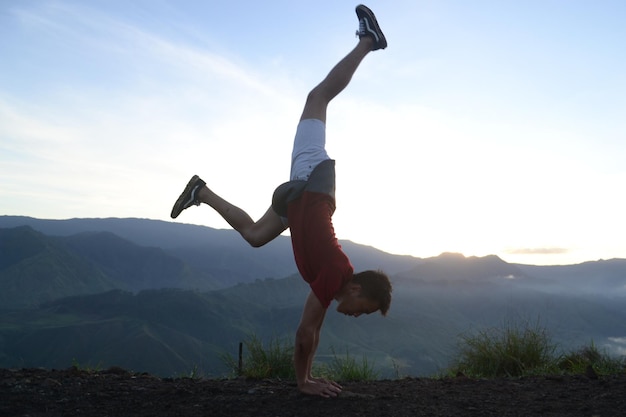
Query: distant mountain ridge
(138, 254)
(86, 256)
(454, 267)
(192, 242)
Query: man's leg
(255, 233)
(337, 79)
(270, 225)
(371, 38)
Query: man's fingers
(333, 383)
(333, 389)
(331, 392)
(328, 382)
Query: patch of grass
(577, 362)
(524, 349)
(260, 361)
(513, 350)
(347, 368)
(275, 360)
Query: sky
(486, 127)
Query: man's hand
(322, 388)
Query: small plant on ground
(577, 362)
(85, 367)
(194, 373)
(513, 350)
(347, 368)
(259, 361)
(397, 368)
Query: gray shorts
(308, 148)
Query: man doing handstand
(306, 204)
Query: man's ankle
(367, 41)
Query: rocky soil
(116, 392)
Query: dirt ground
(116, 392)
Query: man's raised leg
(334, 83)
(371, 38)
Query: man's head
(365, 293)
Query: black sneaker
(189, 196)
(368, 26)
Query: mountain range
(165, 297)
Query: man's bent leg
(258, 233)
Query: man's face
(354, 305)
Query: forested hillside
(69, 294)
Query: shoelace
(361, 30)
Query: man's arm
(306, 343)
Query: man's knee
(317, 98)
(316, 104)
(263, 231)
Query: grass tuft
(272, 361)
(524, 349)
(513, 350)
(347, 368)
(579, 361)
